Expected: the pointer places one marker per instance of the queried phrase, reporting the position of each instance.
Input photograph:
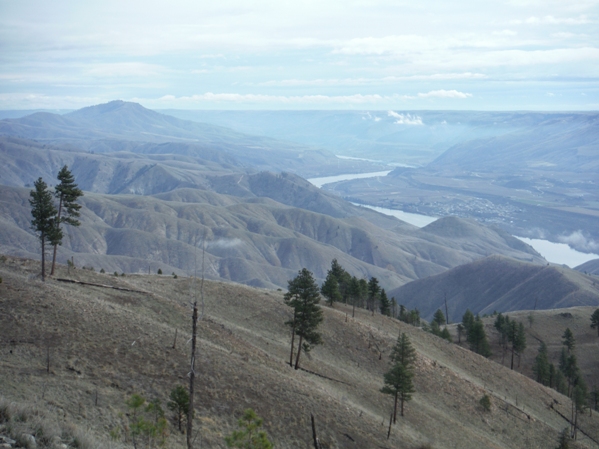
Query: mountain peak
(113, 107)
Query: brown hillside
(498, 284)
(114, 343)
(255, 241)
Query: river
(559, 253)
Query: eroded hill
(112, 343)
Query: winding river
(559, 253)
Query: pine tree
(563, 440)
(67, 193)
(343, 279)
(398, 379)
(595, 320)
(580, 396)
(439, 318)
(384, 303)
(179, 404)
(44, 218)
(540, 367)
(249, 436)
(403, 351)
(517, 338)
(478, 338)
(303, 297)
(568, 340)
(373, 292)
(330, 289)
(444, 334)
(468, 321)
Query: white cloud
(444, 94)
(579, 241)
(405, 119)
(551, 20)
(224, 243)
(262, 98)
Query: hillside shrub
(102, 270)
(159, 271)
(485, 402)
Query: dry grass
(109, 344)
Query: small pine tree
(477, 338)
(179, 404)
(439, 318)
(102, 270)
(159, 271)
(373, 293)
(446, 335)
(568, 340)
(384, 303)
(330, 289)
(468, 321)
(485, 403)
(249, 436)
(563, 440)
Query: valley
(167, 200)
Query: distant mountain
(407, 137)
(498, 284)
(565, 141)
(590, 267)
(252, 240)
(124, 126)
(25, 160)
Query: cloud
(371, 81)
(406, 119)
(551, 20)
(444, 94)
(224, 243)
(262, 98)
(579, 241)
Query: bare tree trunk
(395, 408)
(175, 342)
(192, 375)
(390, 422)
(353, 310)
(292, 340)
(299, 351)
(446, 312)
(512, 367)
(57, 226)
(43, 238)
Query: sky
(277, 54)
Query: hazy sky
(260, 54)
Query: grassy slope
(117, 343)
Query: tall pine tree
(398, 379)
(67, 193)
(540, 367)
(303, 296)
(44, 217)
